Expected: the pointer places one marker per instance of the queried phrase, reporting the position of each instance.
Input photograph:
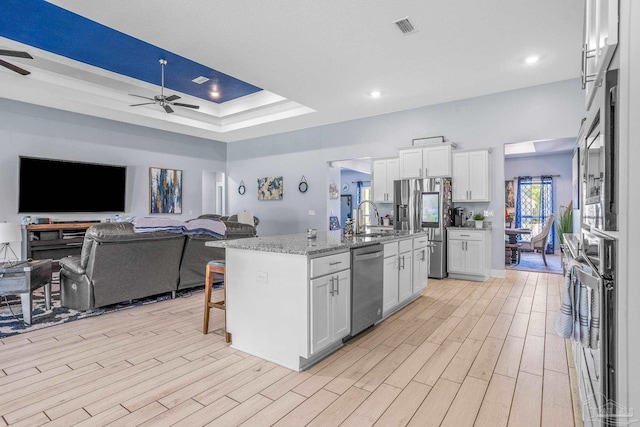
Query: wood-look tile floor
(464, 353)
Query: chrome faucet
(358, 227)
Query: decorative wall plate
(303, 186)
(241, 188)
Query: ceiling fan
(17, 54)
(164, 101)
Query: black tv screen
(49, 186)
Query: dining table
(512, 235)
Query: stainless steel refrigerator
(425, 204)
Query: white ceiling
(324, 57)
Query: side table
(23, 279)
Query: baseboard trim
(499, 273)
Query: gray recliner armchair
(116, 264)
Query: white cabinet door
(390, 283)
(474, 258)
(321, 300)
(341, 305)
(420, 269)
(385, 171)
(460, 177)
(456, 256)
(393, 174)
(379, 186)
(471, 176)
(405, 286)
(479, 176)
(330, 309)
(600, 39)
(436, 161)
(411, 163)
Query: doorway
(536, 159)
(213, 192)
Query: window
(534, 206)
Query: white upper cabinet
(470, 178)
(385, 171)
(600, 38)
(424, 162)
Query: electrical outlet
(312, 212)
(262, 276)
(470, 214)
(488, 213)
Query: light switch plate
(312, 212)
(262, 276)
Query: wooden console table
(54, 241)
(23, 279)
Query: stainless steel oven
(597, 379)
(599, 146)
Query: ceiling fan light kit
(164, 101)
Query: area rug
(530, 261)
(11, 310)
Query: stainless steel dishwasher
(366, 287)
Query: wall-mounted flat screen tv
(56, 186)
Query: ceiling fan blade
(14, 68)
(179, 104)
(16, 53)
(144, 103)
(167, 108)
(145, 97)
(172, 98)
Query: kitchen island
(288, 297)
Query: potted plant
(564, 223)
(478, 218)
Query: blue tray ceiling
(48, 27)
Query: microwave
(598, 143)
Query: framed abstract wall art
(333, 191)
(165, 190)
(270, 188)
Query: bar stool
(215, 266)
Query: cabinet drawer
(420, 242)
(405, 245)
(390, 249)
(465, 234)
(330, 264)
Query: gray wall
(543, 112)
(35, 131)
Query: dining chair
(539, 241)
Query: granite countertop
(471, 227)
(300, 244)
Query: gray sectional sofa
(119, 264)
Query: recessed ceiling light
(215, 93)
(375, 94)
(531, 59)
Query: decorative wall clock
(241, 188)
(303, 186)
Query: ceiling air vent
(200, 80)
(405, 26)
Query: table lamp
(9, 233)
